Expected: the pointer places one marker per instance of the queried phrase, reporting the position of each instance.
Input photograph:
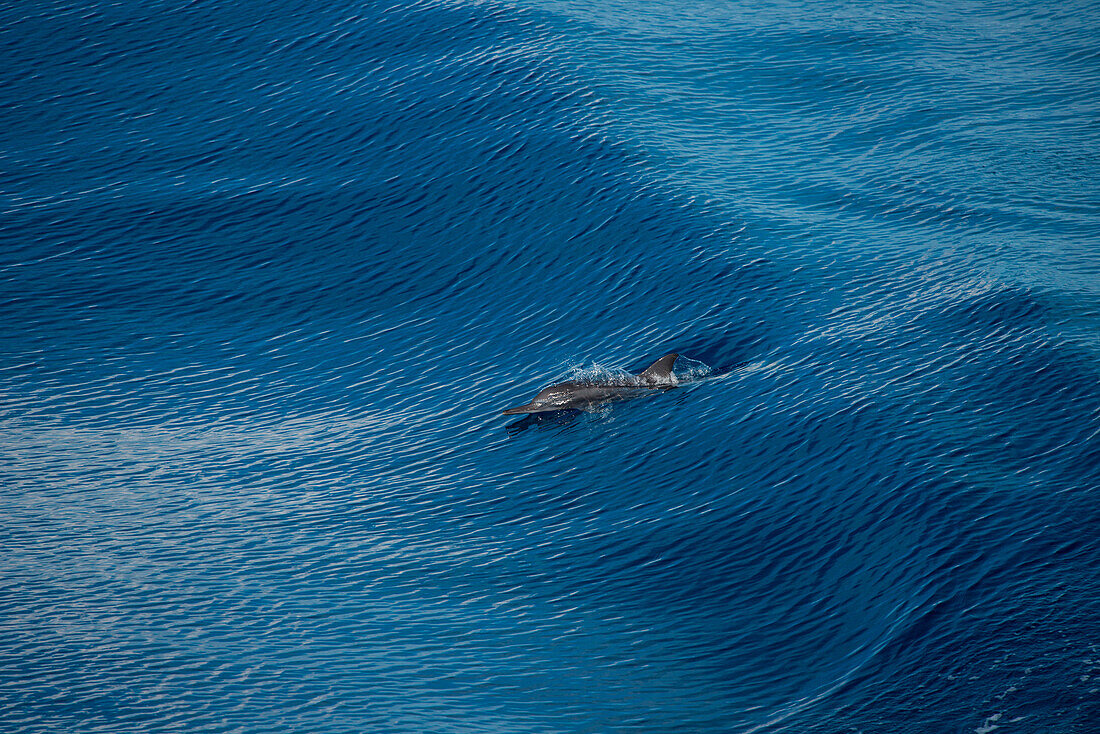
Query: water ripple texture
(269, 272)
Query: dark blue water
(269, 272)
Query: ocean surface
(270, 271)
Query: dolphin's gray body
(577, 395)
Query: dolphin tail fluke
(661, 370)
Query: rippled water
(270, 272)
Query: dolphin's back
(580, 394)
(573, 393)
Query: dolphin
(580, 394)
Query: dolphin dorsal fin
(661, 370)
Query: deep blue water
(269, 271)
